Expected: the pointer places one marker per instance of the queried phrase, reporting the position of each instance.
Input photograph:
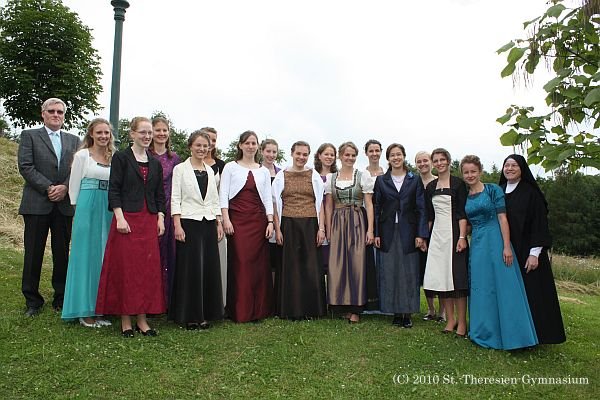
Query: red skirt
(249, 279)
(131, 280)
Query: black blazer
(409, 203)
(39, 167)
(126, 187)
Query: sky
(421, 73)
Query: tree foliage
(46, 51)
(568, 41)
(574, 213)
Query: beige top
(298, 195)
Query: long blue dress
(88, 190)
(498, 309)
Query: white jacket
(186, 199)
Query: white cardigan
(234, 178)
(279, 184)
(186, 199)
(84, 166)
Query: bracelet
(461, 237)
(322, 230)
(270, 222)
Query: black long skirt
(300, 283)
(196, 294)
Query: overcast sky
(421, 73)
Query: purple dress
(167, 241)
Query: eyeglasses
(53, 111)
(146, 133)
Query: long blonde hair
(88, 140)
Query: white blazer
(279, 185)
(186, 199)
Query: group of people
(201, 240)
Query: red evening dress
(249, 281)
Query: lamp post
(119, 6)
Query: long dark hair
(243, 138)
(318, 164)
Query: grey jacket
(38, 164)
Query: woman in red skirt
(131, 282)
(247, 208)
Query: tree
(46, 51)
(568, 40)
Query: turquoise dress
(88, 190)
(499, 315)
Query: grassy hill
(11, 224)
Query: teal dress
(499, 315)
(88, 190)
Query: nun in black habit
(527, 209)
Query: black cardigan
(127, 189)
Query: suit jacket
(40, 168)
(186, 199)
(126, 189)
(408, 203)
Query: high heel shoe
(87, 324)
(148, 332)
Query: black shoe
(191, 326)
(148, 332)
(204, 325)
(397, 321)
(32, 311)
(407, 323)
(128, 333)
(57, 307)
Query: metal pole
(119, 6)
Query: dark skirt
(299, 281)
(131, 279)
(373, 261)
(399, 278)
(196, 291)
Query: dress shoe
(191, 326)
(103, 322)
(147, 332)
(429, 317)
(82, 322)
(204, 325)
(32, 311)
(128, 333)
(407, 322)
(397, 321)
(57, 307)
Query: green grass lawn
(46, 358)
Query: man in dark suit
(45, 156)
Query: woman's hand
(461, 245)
(279, 237)
(161, 226)
(320, 237)
(421, 244)
(220, 232)
(179, 234)
(227, 227)
(269, 231)
(377, 241)
(370, 238)
(123, 226)
(531, 263)
(507, 255)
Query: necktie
(55, 138)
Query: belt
(348, 205)
(92, 184)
